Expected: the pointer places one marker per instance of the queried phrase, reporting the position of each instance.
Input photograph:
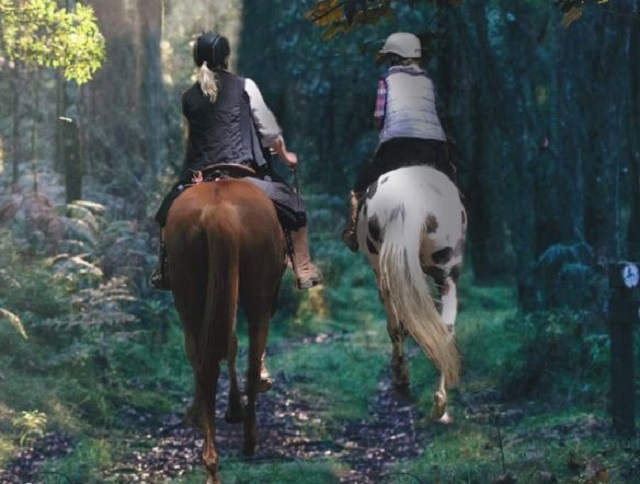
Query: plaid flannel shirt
(381, 103)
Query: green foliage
(545, 448)
(284, 473)
(341, 372)
(14, 321)
(40, 33)
(26, 285)
(30, 425)
(463, 454)
(484, 344)
(560, 354)
(83, 464)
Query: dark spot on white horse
(431, 223)
(384, 180)
(375, 231)
(371, 190)
(371, 247)
(464, 218)
(455, 272)
(365, 210)
(442, 256)
(437, 273)
(398, 211)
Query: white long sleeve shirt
(263, 117)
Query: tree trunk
(72, 159)
(150, 12)
(487, 220)
(633, 126)
(16, 117)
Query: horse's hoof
(446, 419)
(439, 409)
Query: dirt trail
(288, 426)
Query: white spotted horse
(411, 225)
(225, 247)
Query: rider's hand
(290, 158)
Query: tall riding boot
(159, 278)
(306, 273)
(349, 236)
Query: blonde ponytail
(208, 81)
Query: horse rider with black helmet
(229, 122)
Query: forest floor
(161, 448)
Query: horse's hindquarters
(224, 243)
(412, 221)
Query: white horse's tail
(409, 295)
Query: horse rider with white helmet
(410, 132)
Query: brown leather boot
(349, 235)
(159, 278)
(306, 272)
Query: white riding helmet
(403, 44)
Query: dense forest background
(534, 107)
(545, 114)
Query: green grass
(340, 375)
(83, 464)
(293, 472)
(547, 444)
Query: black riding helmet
(211, 48)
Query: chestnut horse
(412, 223)
(225, 247)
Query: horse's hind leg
(234, 413)
(258, 329)
(448, 291)
(446, 283)
(396, 333)
(207, 383)
(234, 406)
(266, 382)
(192, 414)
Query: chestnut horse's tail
(223, 261)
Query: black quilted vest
(220, 132)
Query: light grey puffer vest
(411, 105)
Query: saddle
(219, 171)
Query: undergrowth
(101, 347)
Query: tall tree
(151, 13)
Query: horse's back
(233, 208)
